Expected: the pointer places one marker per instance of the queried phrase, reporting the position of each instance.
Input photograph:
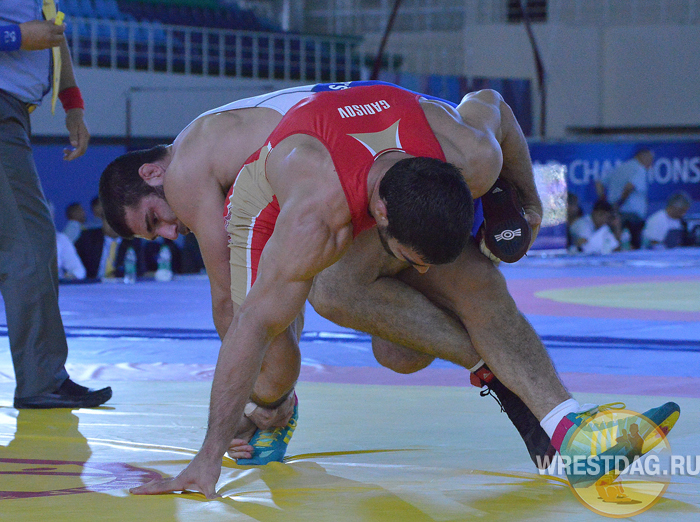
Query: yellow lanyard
(49, 10)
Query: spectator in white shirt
(69, 264)
(625, 187)
(665, 228)
(76, 219)
(598, 232)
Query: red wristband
(71, 99)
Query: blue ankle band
(10, 37)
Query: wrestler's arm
(213, 244)
(198, 200)
(300, 247)
(486, 110)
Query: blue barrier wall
(67, 181)
(676, 167)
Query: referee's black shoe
(69, 395)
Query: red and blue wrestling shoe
(591, 445)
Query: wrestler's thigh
(470, 282)
(363, 263)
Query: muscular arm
(487, 111)
(213, 244)
(301, 246)
(198, 199)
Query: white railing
(155, 47)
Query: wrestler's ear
(380, 213)
(152, 174)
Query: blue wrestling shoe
(607, 439)
(271, 445)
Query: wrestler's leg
(476, 290)
(354, 294)
(358, 292)
(280, 367)
(272, 402)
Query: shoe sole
(506, 232)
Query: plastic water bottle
(165, 271)
(625, 240)
(130, 266)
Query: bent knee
(328, 299)
(399, 358)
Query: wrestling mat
(370, 445)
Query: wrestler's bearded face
(384, 237)
(401, 252)
(153, 217)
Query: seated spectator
(626, 188)
(97, 214)
(70, 267)
(597, 233)
(102, 252)
(69, 264)
(665, 228)
(574, 212)
(76, 219)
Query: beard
(384, 237)
(160, 192)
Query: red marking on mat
(116, 474)
(576, 382)
(524, 290)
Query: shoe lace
(601, 408)
(267, 437)
(486, 391)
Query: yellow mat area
(360, 453)
(674, 296)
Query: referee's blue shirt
(24, 74)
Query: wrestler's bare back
(211, 151)
(206, 158)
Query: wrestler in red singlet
(356, 126)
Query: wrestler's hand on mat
(200, 476)
(267, 418)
